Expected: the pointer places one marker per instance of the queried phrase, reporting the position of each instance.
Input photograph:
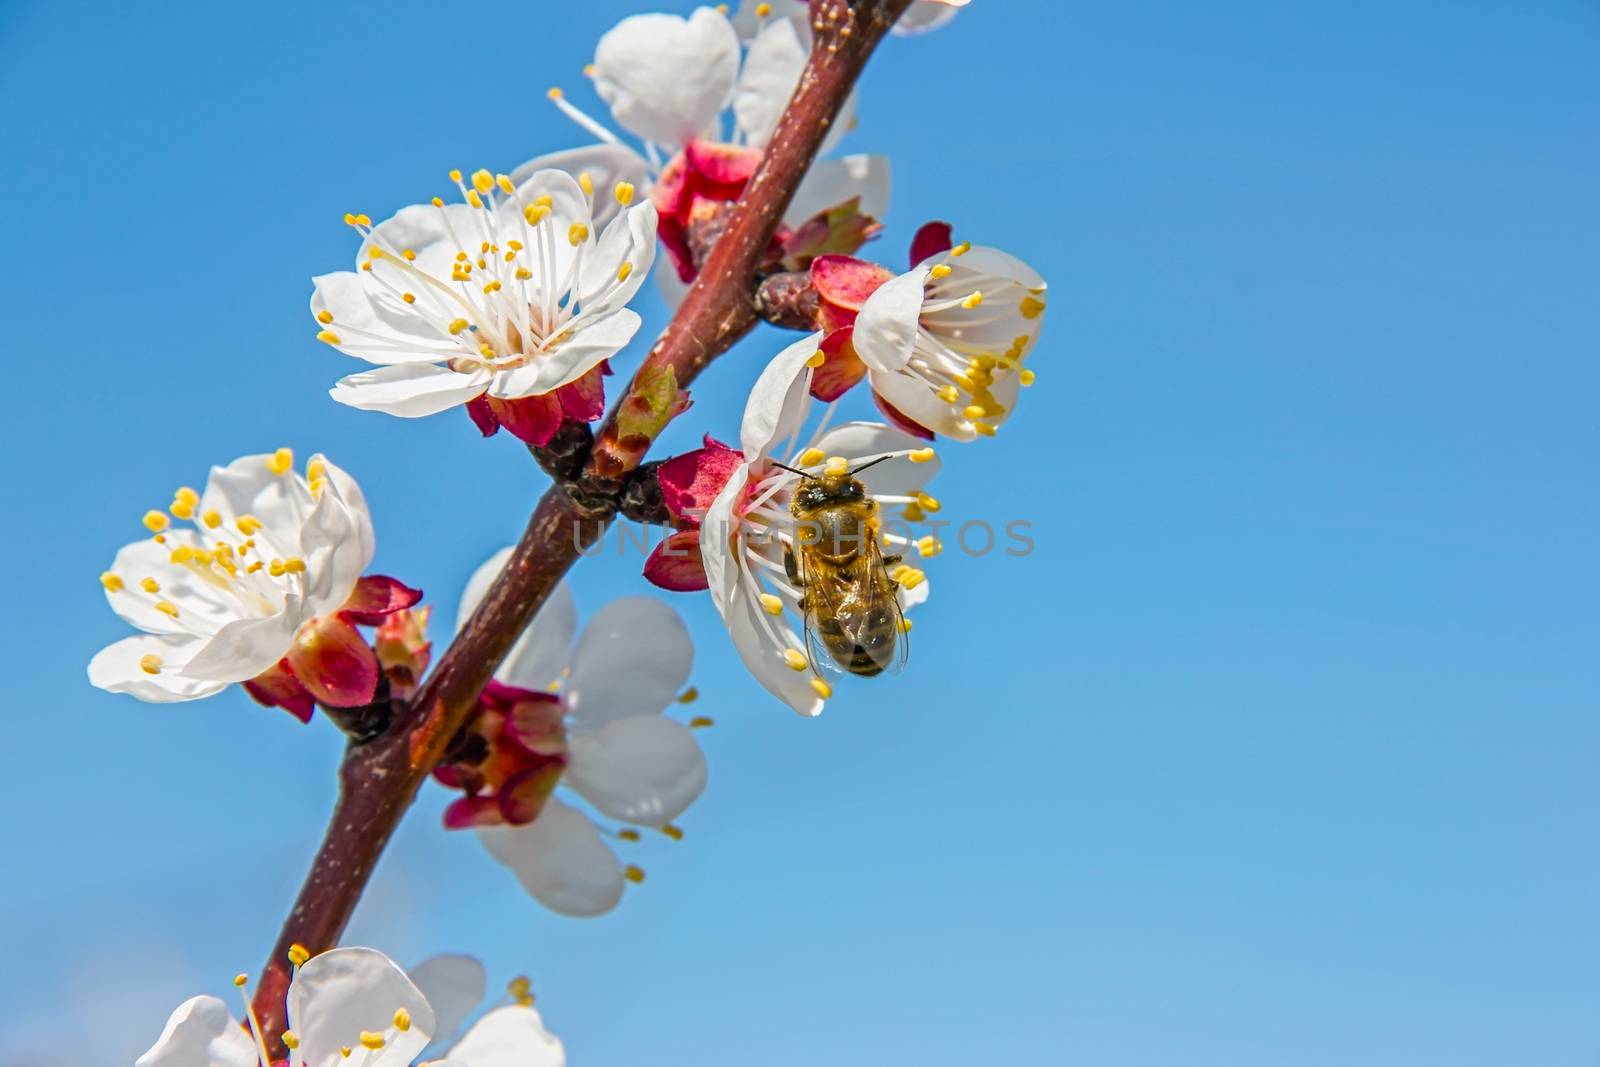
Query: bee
(850, 603)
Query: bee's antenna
(791, 470)
(874, 463)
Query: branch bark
(379, 778)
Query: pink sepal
(376, 597)
(534, 419)
(585, 399)
(522, 797)
(690, 482)
(841, 368)
(931, 239)
(277, 687)
(334, 663)
(482, 415)
(675, 565)
(843, 284)
(464, 813)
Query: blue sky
(1281, 746)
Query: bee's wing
(823, 601)
(893, 660)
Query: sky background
(1280, 748)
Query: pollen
(769, 603)
(1031, 307)
(928, 503)
(908, 577)
(961, 249)
(837, 466)
(921, 455)
(816, 359)
(949, 394)
(972, 301)
(436, 202)
(482, 181)
(324, 317)
(247, 524)
(811, 457)
(535, 213)
(974, 411)
(455, 175)
(905, 625)
(702, 722)
(624, 193)
(149, 585)
(408, 255)
(577, 233)
(1026, 377)
(240, 980)
(504, 182)
(941, 270)
(291, 1040)
(633, 873)
(212, 518)
(929, 546)
(370, 1040)
(167, 608)
(150, 663)
(281, 461)
(821, 688)
(402, 1020)
(763, 10)
(624, 270)
(628, 834)
(473, 198)
(689, 695)
(298, 954)
(795, 659)
(674, 832)
(457, 325)
(113, 583)
(585, 183)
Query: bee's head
(830, 489)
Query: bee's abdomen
(861, 642)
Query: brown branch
(380, 778)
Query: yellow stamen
(984, 428)
(905, 625)
(534, 214)
(455, 175)
(929, 546)
(240, 980)
(961, 249)
(633, 873)
(473, 198)
(816, 359)
(763, 10)
(921, 455)
(408, 255)
(328, 337)
(150, 664)
(624, 270)
(437, 202)
(795, 659)
(624, 193)
(974, 411)
(167, 608)
(949, 394)
(972, 301)
(628, 835)
(212, 518)
(769, 603)
(821, 688)
(689, 695)
(811, 457)
(1031, 307)
(113, 583)
(402, 1020)
(1026, 377)
(156, 521)
(674, 832)
(585, 183)
(554, 92)
(370, 1040)
(298, 954)
(149, 585)
(291, 1040)
(908, 577)
(281, 461)
(928, 503)
(941, 270)
(577, 233)
(248, 524)
(702, 722)
(457, 325)
(324, 317)
(410, 298)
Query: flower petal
(675, 564)
(628, 239)
(779, 400)
(277, 687)
(201, 1033)
(337, 995)
(924, 16)
(831, 182)
(376, 597)
(596, 340)
(246, 647)
(453, 985)
(645, 769)
(533, 419)
(370, 322)
(857, 440)
(841, 368)
(886, 328)
(632, 659)
(560, 860)
(667, 78)
(691, 481)
(410, 390)
(545, 647)
(511, 1036)
(606, 165)
(932, 239)
(771, 71)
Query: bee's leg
(791, 567)
(889, 563)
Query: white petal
(249, 486)
(201, 1033)
(924, 16)
(771, 71)
(645, 769)
(857, 440)
(367, 320)
(596, 339)
(747, 22)
(355, 501)
(984, 259)
(831, 182)
(667, 78)
(886, 329)
(246, 647)
(410, 390)
(764, 658)
(202, 608)
(336, 550)
(545, 648)
(716, 552)
(559, 859)
(606, 164)
(671, 287)
(512, 1036)
(779, 400)
(337, 995)
(116, 669)
(632, 659)
(630, 238)
(453, 985)
(916, 398)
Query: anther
(689, 695)
(113, 583)
(408, 255)
(504, 182)
(150, 663)
(763, 10)
(149, 585)
(577, 233)
(240, 979)
(281, 461)
(291, 1040)
(987, 429)
(633, 873)
(837, 466)
(949, 394)
(929, 546)
(811, 457)
(941, 270)
(769, 603)
(972, 301)
(324, 317)
(624, 270)
(961, 249)
(156, 521)
(402, 1020)
(674, 832)
(816, 359)
(534, 214)
(628, 834)
(1031, 307)
(927, 503)
(212, 518)
(795, 659)
(457, 325)
(298, 954)
(328, 337)
(974, 411)
(247, 524)
(702, 722)
(455, 175)
(821, 688)
(1025, 377)
(554, 92)
(585, 183)
(905, 625)
(921, 455)
(370, 1040)
(624, 193)
(473, 198)
(167, 608)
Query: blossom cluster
(511, 301)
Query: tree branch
(379, 778)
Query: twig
(379, 779)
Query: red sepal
(334, 663)
(843, 284)
(375, 597)
(277, 687)
(534, 419)
(482, 415)
(933, 238)
(690, 482)
(841, 368)
(902, 420)
(676, 565)
(464, 813)
(523, 796)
